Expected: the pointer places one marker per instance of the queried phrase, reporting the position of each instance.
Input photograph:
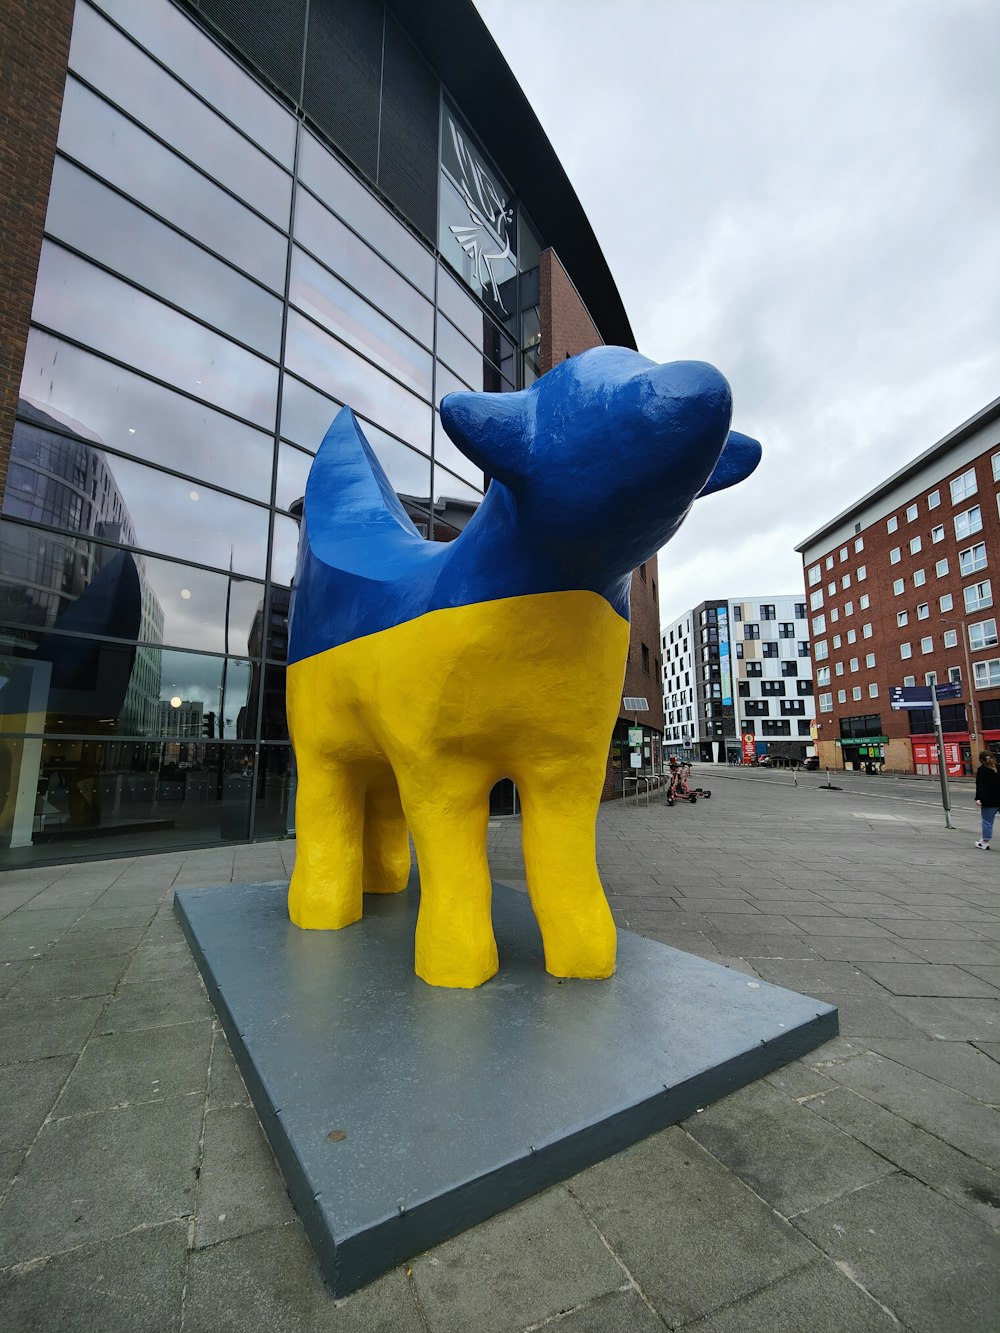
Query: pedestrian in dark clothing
(987, 796)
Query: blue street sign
(920, 696)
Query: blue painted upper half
(594, 468)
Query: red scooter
(680, 788)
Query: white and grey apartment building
(737, 676)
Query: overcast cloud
(805, 193)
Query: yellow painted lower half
(411, 728)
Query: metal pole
(942, 766)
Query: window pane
(274, 814)
(100, 400)
(165, 31)
(149, 795)
(284, 550)
(117, 68)
(464, 359)
(463, 311)
(336, 245)
(293, 473)
(334, 305)
(342, 374)
(447, 484)
(148, 335)
(102, 139)
(44, 574)
(94, 219)
(482, 261)
(335, 185)
(93, 687)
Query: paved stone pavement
(856, 1189)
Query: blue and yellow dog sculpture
(421, 673)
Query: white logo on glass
(490, 218)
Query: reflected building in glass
(242, 232)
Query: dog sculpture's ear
(739, 458)
(491, 429)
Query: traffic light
(208, 726)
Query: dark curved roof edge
(458, 45)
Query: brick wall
(34, 48)
(567, 330)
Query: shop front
(863, 753)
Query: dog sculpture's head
(607, 447)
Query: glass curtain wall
(214, 285)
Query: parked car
(811, 762)
(763, 761)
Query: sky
(805, 193)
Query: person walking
(987, 796)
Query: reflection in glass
(306, 416)
(101, 138)
(335, 185)
(446, 453)
(96, 220)
(464, 359)
(334, 305)
(168, 34)
(464, 312)
(293, 473)
(42, 574)
(453, 489)
(319, 358)
(274, 816)
(482, 260)
(146, 334)
(117, 68)
(60, 477)
(138, 417)
(284, 551)
(59, 794)
(336, 246)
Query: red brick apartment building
(903, 589)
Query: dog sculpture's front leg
(448, 813)
(558, 813)
(325, 890)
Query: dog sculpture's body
(421, 673)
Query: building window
(941, 568)
(856, 692)
(946, 602)
(951, 638)
(978, 596)
(905, 650)
(937, 534)
(751, 631)
(826, 700)
(776, 728)
(987, 673)
(895, 555)
(892, 524)
(955, 675)
(737, 611)
(983, 634)
(790, 668)
(793, 707)
(862, 573)
(930, 677)
(767, 612)
(873, 691)
(972, 558)
(829, 562)
(772, 687)
(642, 572)
(770, 650)
(837, 641)
(821, 650)
(838, 668)
(864, 601)
(853, 664)
(866, 630)
(823, 675)
(911, 513)
(819, 624)
(755, 668)
(645, 659)
(845, 582)
(816, 599)
(842, 696)
(756, 708)
(933, 500)
(964, 486)
(901, 618)
(852, 636)
(909, 681)
(859, 545)
(834, 614)
(786, 630)
(815, 574)
(744, 689)
(927, 644)
(919, 578)
(869, 659)
(848, 608)
(995, 460)
(832, 588)
(968, 522)
(923, 611)
(898, 586)
(799, 611)
(915, 545)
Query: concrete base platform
(401, 1114)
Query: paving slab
(27, 1094)
(127, 1068)
(956, 1063)
(155, 1004)
(34, 1029)
(785, 1154)
(131, 1283)
(818, 1298)
(693, 1236)
(269, 1283)
(72, 978)
(950, 1020)
(239, 1189)
(937, 979)
(884, 1234)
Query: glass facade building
(239, 240)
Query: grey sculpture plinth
(401, 1114)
